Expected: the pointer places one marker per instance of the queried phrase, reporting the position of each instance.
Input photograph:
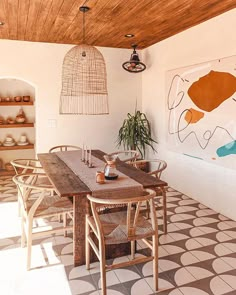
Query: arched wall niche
(12, 86)
(9, 88)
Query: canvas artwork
(201, 111)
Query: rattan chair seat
(50, 205)
(115, 227)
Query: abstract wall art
(201, 111)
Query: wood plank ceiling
(60, 21)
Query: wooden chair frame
(95, 225)
(31, 194)
(133, 155)
(157, 172)
(63, 148)
(22, 166)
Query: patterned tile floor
(197, 257)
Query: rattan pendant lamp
(84, 80)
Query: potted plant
(135, 133)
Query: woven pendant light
(84, 81)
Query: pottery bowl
(18, 98)
(26, 98)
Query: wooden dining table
(68, 184)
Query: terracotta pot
(18, 98)
(20, 119)
(10, 121)
(26, 98)
(9, 167)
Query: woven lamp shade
(84, 82)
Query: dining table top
(68, 184)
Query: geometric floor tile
(219, 286)
(197, 257)
(188, 258)
(182, 277)
(192, 291)
(220, 265)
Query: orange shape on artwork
(193, 116)
(212, 89)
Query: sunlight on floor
(196, 257)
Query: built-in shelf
(17, 125)
(14, 103)
(5, 172)
(13, 89)
(17, 147)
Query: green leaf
(135, 133)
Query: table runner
(123, 186)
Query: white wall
(41, 65)
(210, 184)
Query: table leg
(80, 210)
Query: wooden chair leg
(87, 245)
(148, 210)
(19, 207)
(155, 261)
(65, 223)
(103, 267)
(23, 235)
(29, 243)
(132, 249)
(164, 210)
(59, 218)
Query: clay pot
(20, 119)
(10, 121)
(26, 98)
(18, 98)
(9, 167)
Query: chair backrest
(32, 188)
(133, 205)
(157, 166)
(63, 148)
(127, 156)
(26, 166)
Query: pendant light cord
(84, 27)
(84, 9)
(84, 22)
